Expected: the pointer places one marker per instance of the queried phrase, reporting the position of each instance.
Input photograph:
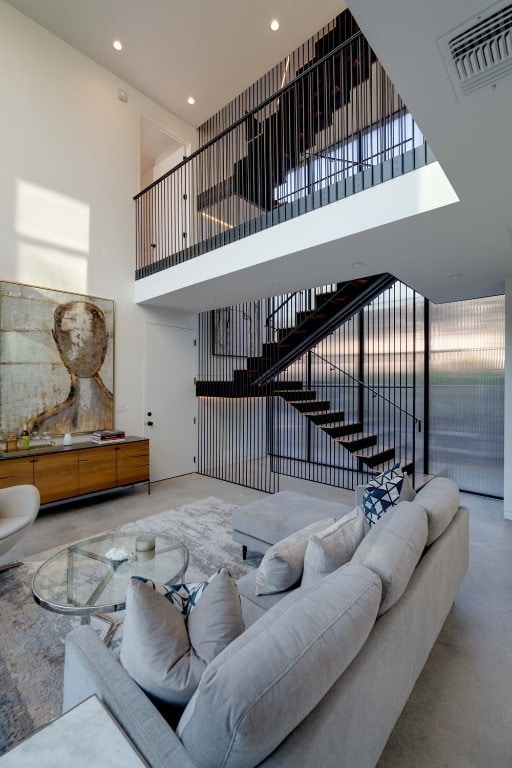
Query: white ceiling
(209, 49)
(213, 50)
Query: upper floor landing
(296, 191)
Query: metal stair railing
(366, 417)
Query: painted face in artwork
(81, 337)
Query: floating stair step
(345, 429)
(303, 315)
(377, 455)
(323, 298)
(309, 406)
(242, 375)
(295, 394)
(257, 363)
(357, 440)
(325, 417)
(340, 428)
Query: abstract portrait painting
(56, 360)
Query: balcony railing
(338, 127)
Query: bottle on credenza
(25, 438)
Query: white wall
(507, 462)
(162, 164)
(69, 170)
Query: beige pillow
(282, 564)
(166, 652)
(333, 547)
(440, 500)
(392, 549)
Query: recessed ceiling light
(358, 264)
(274, 25)
(455, 277)
(191, 100)
(118, 45)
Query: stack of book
(108, 436)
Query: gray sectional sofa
(321, 672)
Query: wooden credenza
(63, 472)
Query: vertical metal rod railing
(359, 382)
(333, 115)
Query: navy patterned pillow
(184, 597)
(382, 493)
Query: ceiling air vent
(479, 52)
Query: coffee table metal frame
(94, 549)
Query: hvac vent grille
(478, 54)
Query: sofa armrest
(90, 668)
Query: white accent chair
(19, 505)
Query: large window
(388, 139)
(467, 393)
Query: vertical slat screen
(324, 123)
(361, 377)
(467, 393)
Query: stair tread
(353, 437)
(294, 391)
(372, 450)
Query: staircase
(363, 446)
(313, 325)
(258, 379)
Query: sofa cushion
(275, 517)
(392, 549)
(331, 548)
(440, 499)
(382, 494)
(166, 652)
(282, 564)
(268, 680)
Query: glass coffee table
(81, 580)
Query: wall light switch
(120, 407)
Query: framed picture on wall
(236, 331)
(56, 361)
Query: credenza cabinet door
(16, 472)
(97, 469)
(133, 462)
(56, 476)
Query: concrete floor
(459, 714)
(61, 524)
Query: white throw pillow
(331, 548)
(166, 651)
(282, 564)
